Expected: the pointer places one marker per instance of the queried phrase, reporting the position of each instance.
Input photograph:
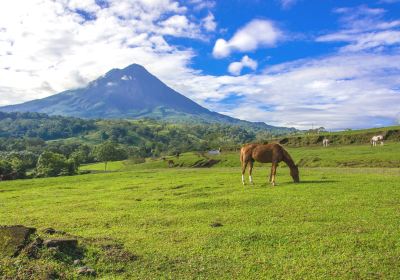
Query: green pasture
(201, 223)
(338, 223)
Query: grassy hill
(314, 156)
(390, 133)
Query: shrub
(52, 164)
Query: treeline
(34, 144)
(37, 125)
(56, 160)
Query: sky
(294, 63)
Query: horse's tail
(242, 156)
(243, 159)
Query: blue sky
(298, 63)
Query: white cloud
(209, 22)
(287, 3)
(364, 29)
(203, 4)
(257, 33)
(46, 48)
(337, 92)
(180, 26)
(235, 68)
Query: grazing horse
(325, 142)
(375, 139)
(266, 153)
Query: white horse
(325, 142)
(375, 139)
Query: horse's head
(294, 172)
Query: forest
(39, 145)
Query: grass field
(338, 223)
(333, 156)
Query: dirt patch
(216, 224)
(117, 253)
(13, 239)
(205, 163)
(179, 187)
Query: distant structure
(325, 142)
(215, 152)
(375, 139)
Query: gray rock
(77, 262)
(13, 239)
(61, 243)
(84, 270)
(49, 231)
(32, 250)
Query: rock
(32, 250)
(13, 239)
(53, 250)
(61, 243)
(77, 262)
(84, 270)
(216, 224)
(49, 231)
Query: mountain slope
(131, 92)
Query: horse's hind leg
(251, 163)
(244, 165)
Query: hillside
(130, 93)
(37, 132)
(391, 133)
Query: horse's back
(261, 152)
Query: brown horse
(266, 153)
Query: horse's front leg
(273, 173)
(270, 174)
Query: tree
(6, 170)
(52, 164)
(108, 151)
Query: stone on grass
(77, 262)
(13, 239)
(61, 243)
(32, 250)
(84, 270)
(216, 224)
(49, 231)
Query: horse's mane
(287, 158)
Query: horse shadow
(317, 181)
(289, 183)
